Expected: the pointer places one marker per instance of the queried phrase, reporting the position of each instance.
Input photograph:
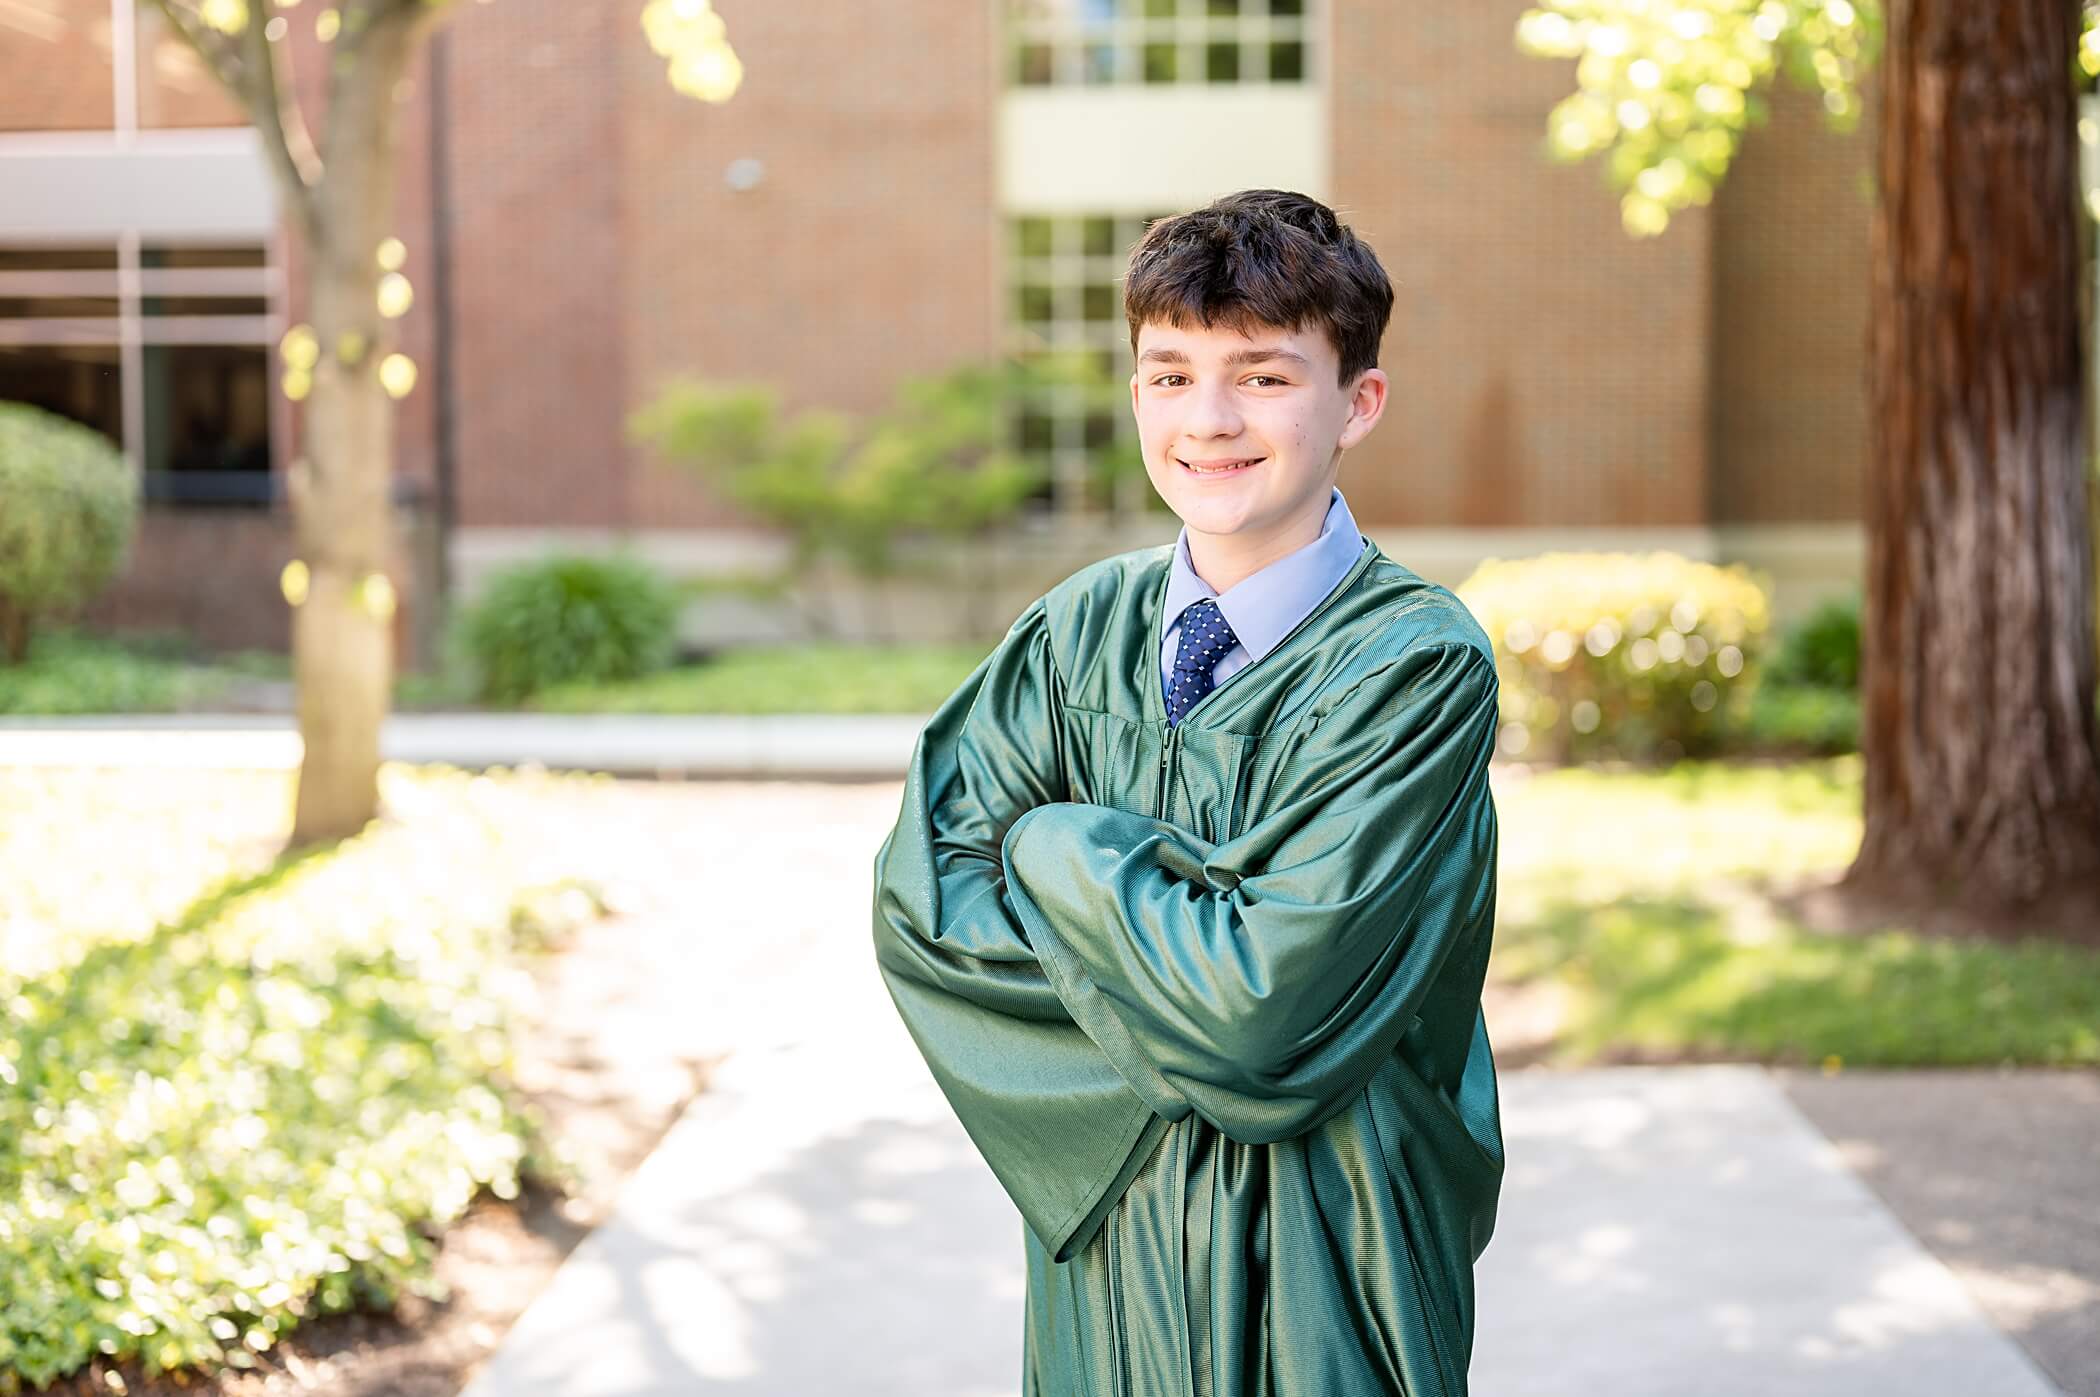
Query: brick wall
(215, 574)
(866, 252)
(1788, 353)
(55, 66)
(1546, 368)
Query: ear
(1366, 406)
(1133, 394)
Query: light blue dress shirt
(1262, 607)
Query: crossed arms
(1078, 975)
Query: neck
(1225, 560)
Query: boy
(1189, 900)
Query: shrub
(72, 508)
(567, 619)
(1821, 650)
(1800, 718)
(937, 461)
(269, 1107)
(1615, 654)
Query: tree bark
(341, 490)
(1978, 735)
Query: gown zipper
(1166, 768)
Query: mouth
(1223, 466)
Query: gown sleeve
(1052, 1116)
(1261, 982)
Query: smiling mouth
(1222, 467)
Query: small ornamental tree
(335, 173)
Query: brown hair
(1262, 257)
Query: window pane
(1221, 62)
(1035, 68)
(203, 305)
(38, 307)
(1034, 237)
(1159, 63)
(1286, 7)
(1101, 303)
(175, 90)
(1099, 237)
(207, 408)
(1033, 305)
(1159, 9)
(58, 259)
(1287, 62)
(57, 72)
(1099, 63)
(1224, 7)
(231, 256)
(78, 381)
(1037, 431)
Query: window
(102, 65)
(1065, 299)
(1087, 43)
(163, 348)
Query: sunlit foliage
(239, 1090)
(1666, 88)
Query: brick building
(893, 189)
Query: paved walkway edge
(867, 746)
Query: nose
(1212, 412)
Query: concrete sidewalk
(731, 745)
(817, 1222)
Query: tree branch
(276, 114)
(247, 69)
(220, 58)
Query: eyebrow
(1233, 360)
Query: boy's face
(1204, 397)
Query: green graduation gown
(1207, 997)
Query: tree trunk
(342, 656)
(342, 632)
(1978, 734)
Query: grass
(1646, 896)
(809, 678)
(75, 672)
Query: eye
(1161, 381)
(1271, 377)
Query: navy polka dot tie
(1204, 640)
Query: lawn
(75, 672)
(805, 678)
(71, 673)
(1645, 898)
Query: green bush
(72, 505)
(1821, 650)
(570, 619)
(937, 461)
(1799, 719)
(1618, 655)
(269, 1107)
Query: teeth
(1218, 470)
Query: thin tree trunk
(342, 633)
(1982, 780)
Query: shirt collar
(1262, 607)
